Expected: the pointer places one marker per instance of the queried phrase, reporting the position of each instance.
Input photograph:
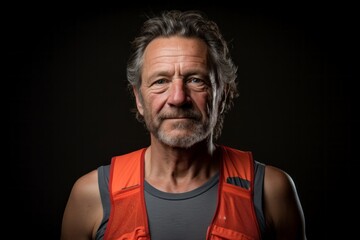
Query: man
(184, 185)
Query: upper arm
(83, 211)
(282, 207)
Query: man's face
(175, 92)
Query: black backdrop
(67, 109)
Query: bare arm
(83, 212)
(283, 211)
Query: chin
(182, 140)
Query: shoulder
(83, 211)
(279, 188)
(282, 208)
(87, 185)
(277, 181)
(85, 190)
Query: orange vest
(234, 218)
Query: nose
(178, 93)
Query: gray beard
(198, 134)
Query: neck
(178, 169)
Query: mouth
(178, 119)
(181, 115)
(193, 118)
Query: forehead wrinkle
(181, 55)
(181, 68)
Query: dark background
(67, 109)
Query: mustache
(181, 113)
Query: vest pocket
(218, 233)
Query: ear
(139, 101)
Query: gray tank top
(180, 215)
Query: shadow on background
(67, 109)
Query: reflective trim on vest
(234, 218)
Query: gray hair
(189, 24)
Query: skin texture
(175, 100)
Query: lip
(178, 118)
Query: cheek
(154, 104)
(203, 102)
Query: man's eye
(195, 80)
(160, 81)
